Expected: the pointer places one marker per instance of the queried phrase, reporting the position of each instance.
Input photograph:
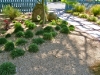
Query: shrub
(54, 33)
(92, 18)
(7, 68)
(79, 8)
(47, 36)
(7, 35)
(38, 40)
(18, 27)
(28, 34)
(17, 24)
(83, 15)
(65, 30)
(11, 12)
(39, 32)
(27, 22)
(21, 41)
(3, 41)
(95, 10)
(57, 28)
(75, 13)
(17, 52)
(31, 25)
(33, 48)
(19, 34)
(64, 22)
(48, 29)
(71, 28)
(9, 46)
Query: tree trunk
(43, 13)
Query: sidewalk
(87, 27)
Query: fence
(22, 5)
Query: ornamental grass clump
(75, 13)
(54, 34)
(65, 30)
(39, 32)
(7, 68)
(72, 28)
(95, 10)
(57, 28)
(83, 15)
(92, 18)
(79, 8)
(8, 35)
(17, 53)
(20, 41)
(47, 36)
(28, 34)
(11, 12)
(3, 40)
(18, 27)
(19, 34)
(9, 46)
(31, 25)
(33, 48)
(38, 41)
(48, 29)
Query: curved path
(85, 26)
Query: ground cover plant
(7, 68)
(38, 40)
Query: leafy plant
(39, 32)
(17, 52)
(11, 12)
(79, 8)
(95, 10)
(92, 18)
(7, 68)
(48, 29)
(17, 24)
(19, 34)
(27, 22)
(28, 34)
(47, 36)
(33, 48)
(9, 46)
(38, 41)
(8, 35)
(83, 15)
(21, 41)
(54, 33)
(6, 27)
(3, 40)
(65, 30)
(53, 22)
(57, 28)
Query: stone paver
(88, 27)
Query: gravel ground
(65, 55)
